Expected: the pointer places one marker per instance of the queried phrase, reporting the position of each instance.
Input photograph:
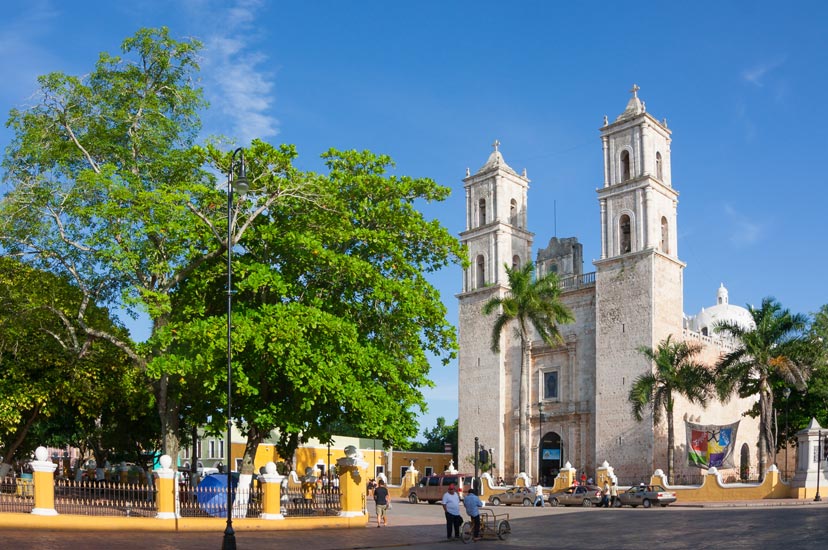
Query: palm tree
(533, 304)
(768, 355)
(675, 372)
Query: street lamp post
(540, 441)
(240, 185)
(818, 498)
(786, 393)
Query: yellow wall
(711, 491)
(439, 462)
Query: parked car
(431, 488)
(516, 495)
(646, 496)
(577, 495)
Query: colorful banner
(710, 445)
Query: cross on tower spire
(634, 90)
(496, 144)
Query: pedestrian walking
(605, 495)
(381, 503)
(473, 505)
(451, 507)
(539, 495)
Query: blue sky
(434, 83)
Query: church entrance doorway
(551, 457)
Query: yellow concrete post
(44, 483)
(352, 483)
(409, 480)
(165, 489)
(565, 478)
(604, 473)
(271, 492)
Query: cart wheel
(466, 532)
(503, 529)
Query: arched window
(481, 271)
(481, 211)
(665, 236)
(625, 234)
(659, 167)
(625, 165)
(515, 261)
(513, 212)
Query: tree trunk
(523, 434)
(254, 437)
(765, 428)
(671, 440)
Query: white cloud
(237, 85)
(744, 230)
(756, 75)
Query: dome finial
(634, 90)
(496, 144)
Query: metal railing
(575, 282)
(211, 501)
(104, 498)
(16, 495)
(324, 501)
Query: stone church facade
(580, 412)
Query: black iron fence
(324, 501)
(104, 498)
(211, 501)
(16, 495)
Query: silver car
(646, 496)
(577, 495)
(516, 495)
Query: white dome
(707, 318)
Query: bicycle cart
(491, 526)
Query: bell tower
(495, 237)
(638, 282)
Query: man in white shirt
(451, 506)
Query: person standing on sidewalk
(473, 505)
(451, 506)
(381, 502)
(613, 494)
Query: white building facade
(580, 411)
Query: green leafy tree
(800, 407)
(47, 366)
(437, 437)
(773, 354)
(109, 188)
(674, 372)
(334, 319)
(530, 304)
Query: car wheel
(586, 503)
(412, 498)
(554, 502)
(617, 504)
(646, 503)
(527, 502)
(495, 501)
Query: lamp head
(240, 184)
